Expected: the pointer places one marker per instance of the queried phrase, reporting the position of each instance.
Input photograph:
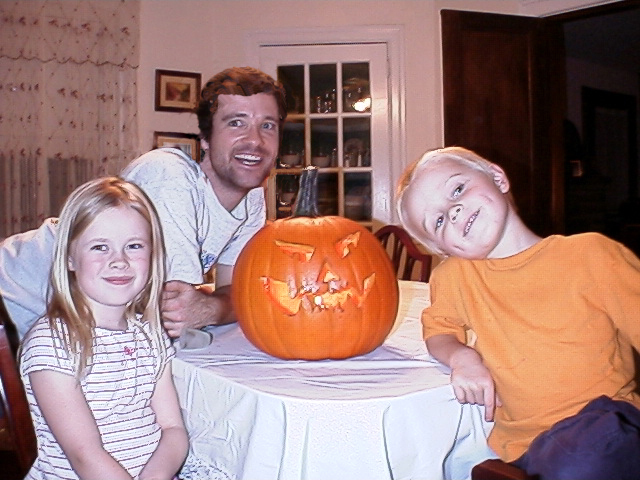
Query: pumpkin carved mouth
(329, 292)
(335, 299)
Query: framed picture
(187, 142)
(177, 91)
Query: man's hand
(184, 306)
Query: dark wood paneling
(504, 98)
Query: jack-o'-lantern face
(315, 288)
(328, 290)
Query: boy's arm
(57, 395)
(471, 380)
(172, 449)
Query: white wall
(208, 36)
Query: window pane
(355, 87)
(292, 148)
(322, 82)
(328, 193)
(286, 193)
(357, 142)
(357, 198)
(324, 142)
(292, 78)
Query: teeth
(248, 159)
(470, 222)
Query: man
(208, 211)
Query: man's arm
(184, 306)
(471, 380)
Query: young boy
(556, 320)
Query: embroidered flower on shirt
(207, 260)
(129, 351)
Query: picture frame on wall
(177, 91)
(189, 143)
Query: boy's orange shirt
(555, 325)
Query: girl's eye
(439, 222)
(458, 190)
(99, 248)
(135, 246)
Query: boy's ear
(500, 178)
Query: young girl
(96, 368)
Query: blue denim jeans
(600, 442)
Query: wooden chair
(499, 470)
(17, 435)
(404, 253)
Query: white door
(338, 119)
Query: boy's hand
(472, 382)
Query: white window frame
(392, 36)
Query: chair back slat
(404, 253)
(16, 418)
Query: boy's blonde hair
(68, 303)
(432, 157)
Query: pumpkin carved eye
(350, 241)
(305, 252)
(296, 250)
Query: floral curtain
(67, 101)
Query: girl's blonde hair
(432, 157)
(68, 303)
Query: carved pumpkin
(311, 287)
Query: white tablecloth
(390, 414)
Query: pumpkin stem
(307, 201)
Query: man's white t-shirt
(198, 232)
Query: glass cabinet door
(337, 120)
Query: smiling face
(111, 260)
(244, 145)
(458, 210)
